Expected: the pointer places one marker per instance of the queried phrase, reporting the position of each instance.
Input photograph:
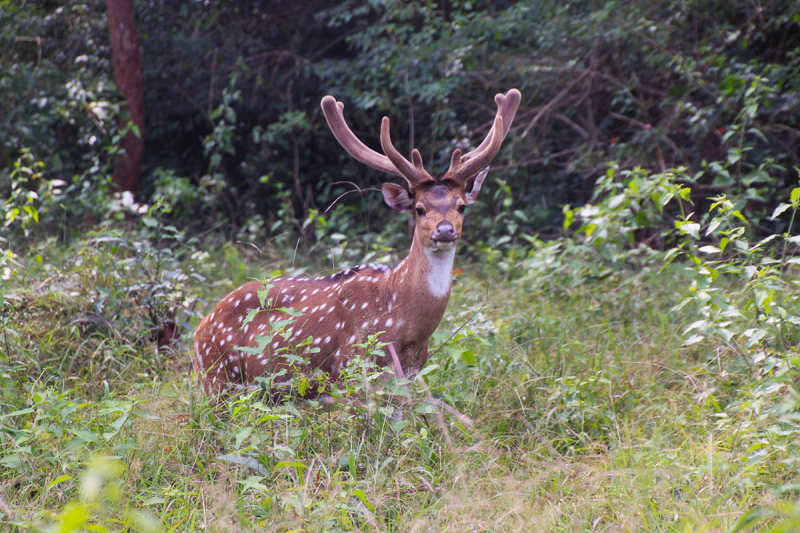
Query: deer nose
(444, 232)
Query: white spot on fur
(389, 322)
(247, 296)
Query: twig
(250, 244)
(439, 417)
(464, 419)
(5, 335)
(552, 103)
(357, 189)
(213, 84)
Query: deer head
(438, 207)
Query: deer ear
(397, 197)
(473, 185)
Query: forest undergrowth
(593, 384)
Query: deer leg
(398, 402)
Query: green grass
(588, 410)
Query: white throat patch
(440, 271)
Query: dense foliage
(234, 131)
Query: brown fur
(357, 303)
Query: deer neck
(426, 276)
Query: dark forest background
(621, 349)
(235, 143)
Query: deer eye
(462, 208)
(420, 212)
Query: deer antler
(464, 167)
(414, 173)
(395, 164)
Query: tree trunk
(128, 75)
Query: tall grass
(594, 387)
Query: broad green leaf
(241, 435)
(263, 294)
(361, 495)
(249, 317)
(59, 480)
(254, 483)
(694, 325)
(713, 226)
(86, 436)
(290, 464)
(261, 345)
(710, 249)
(116, 425)
(19, 412)
(428, 369)
(13, 460)
(689, 228)
(780, 209)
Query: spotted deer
(403, 304)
